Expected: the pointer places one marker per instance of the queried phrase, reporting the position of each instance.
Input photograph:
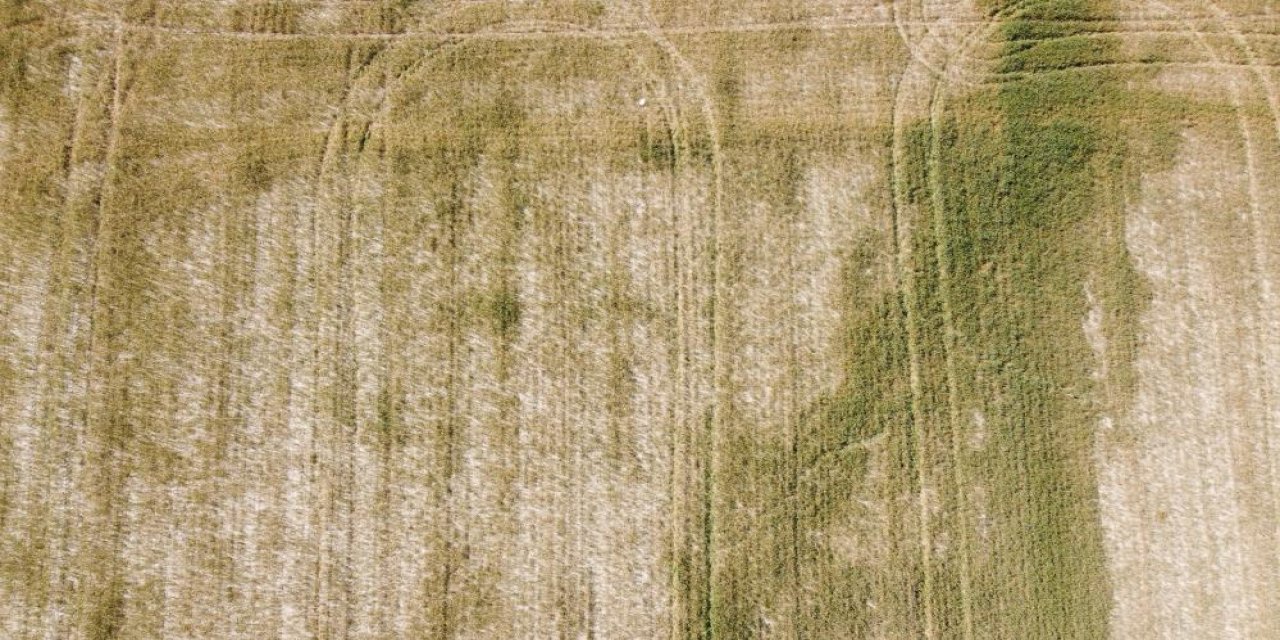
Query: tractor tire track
(719, 373)
(943, 75)
(1235, 609)
(571, 526)
(898, 24)
(107, 419)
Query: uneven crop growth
(924, 319)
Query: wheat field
(641, 319)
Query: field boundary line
(595, 32)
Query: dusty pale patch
(1187, 478)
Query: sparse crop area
(912, 319)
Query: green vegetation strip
(1016, 189)
(1022, 181)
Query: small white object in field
(642, 101)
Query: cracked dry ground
(354, 319)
